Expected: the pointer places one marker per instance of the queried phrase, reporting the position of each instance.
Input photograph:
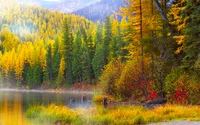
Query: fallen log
(157, 102)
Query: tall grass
(128, 115)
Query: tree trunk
(158, 6)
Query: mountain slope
(69, 6)
(65, 6)
(100, 10)
(31, 22)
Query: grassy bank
(116, 116)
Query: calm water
(13, 104)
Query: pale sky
(52, 0)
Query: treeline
(44, 47)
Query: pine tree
(49, 64)
(86, 63)
(107, 40)
(68, 43)
(76, 61)
(56, 58)
(191, 44)
(98, 61)
(177, 22)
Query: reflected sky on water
(13, 104)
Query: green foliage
(139, 120)
(34, 111)
(34, 76)
(56, 58)
(68, 43)
(85, 63)
(76, 61)
(107, 39)
(98, 61)
(49, 64)
(192, 29)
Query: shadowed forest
(152, 51)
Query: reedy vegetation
(123, 115)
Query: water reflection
(14, 104)
(12, 113)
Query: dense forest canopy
(153, 51)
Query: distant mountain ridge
(65, 6)
(101, 9)
(73, 5)
(91, 9)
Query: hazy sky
(61, 5)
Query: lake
(14, 103)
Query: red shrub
(181, 94)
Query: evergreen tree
(107, 39)
(37, 75)
(84, 34)
(117, 46)
(68, 43)
(49, 64)
(86, 63)
(76, 61)
(99, 37)
(177, 22)
(91, 46)
(91, 50)
(191, 45)
(56, 58)
(98, 61)
(34, 76)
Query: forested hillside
(152, 52)
(41, 46)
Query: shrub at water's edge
(98, 98)
(114, 116)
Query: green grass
(128, 115)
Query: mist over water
(14, 103)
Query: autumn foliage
(150, 52)
(125, 81)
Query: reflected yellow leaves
(11, 113)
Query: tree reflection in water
(12, 114)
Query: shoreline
(47, 90)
